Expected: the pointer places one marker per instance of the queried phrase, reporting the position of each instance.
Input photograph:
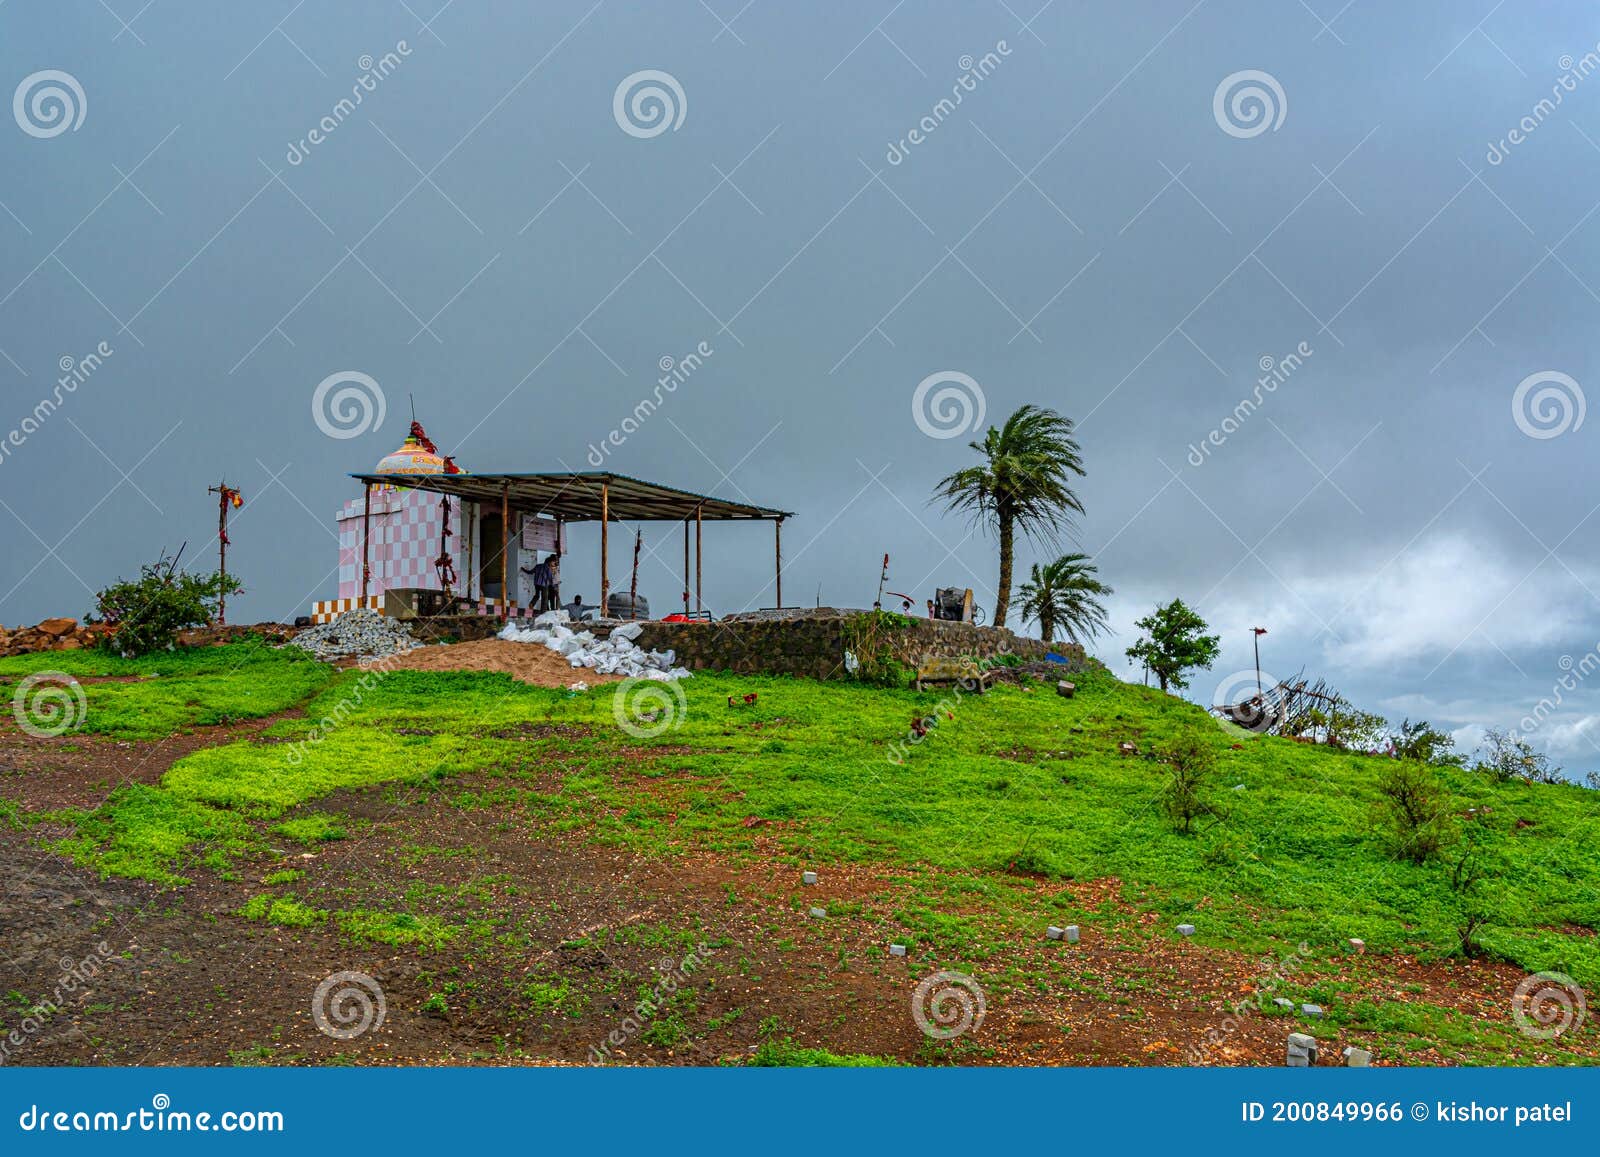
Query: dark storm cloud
(1412, 236)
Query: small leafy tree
(1190, 762)
(1424, 743)
(1415, 808)
(1350, 727)
(146, 614)
(1473, 909)
(1174, 643)
(1506, 756)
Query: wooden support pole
(221, 546)
(685, 566)
(605, 548)
(469, 534)
(698, 557)
(505, 551)
(366, 544)
(777, 544)
(561, 554)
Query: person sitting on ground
(576, 608)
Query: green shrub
(148, 612)
(1189, 761)
(1415, 806)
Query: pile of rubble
(616, 655)
(50, 635)
(359, 634)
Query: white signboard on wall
(541, 534)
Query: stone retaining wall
(809, 643)
(814, 646)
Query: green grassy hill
(1007, 788)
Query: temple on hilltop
(426, 537)
(413, 532)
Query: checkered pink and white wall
(405, 541)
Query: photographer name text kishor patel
(1470, 1111)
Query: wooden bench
(968, 672)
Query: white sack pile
(618, 655)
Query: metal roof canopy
(577, 497)
(588, 496)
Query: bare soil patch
(529, 662)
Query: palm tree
(1066, 594)
(1022, 484)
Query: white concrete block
(897, 950)
(1185, 929)
(1357, 1058)
(1302, 1051)
(818, 913)
(808, 877)
(1314, 1011)
(1071, 931)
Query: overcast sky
(1097, 226)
